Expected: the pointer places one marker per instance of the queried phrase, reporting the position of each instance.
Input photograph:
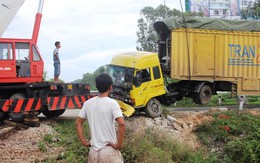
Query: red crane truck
(23, 93)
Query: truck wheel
(52, 114)
(204, 96)
(195, 98)
(17, 117)
(153, 108)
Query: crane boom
(8, 9)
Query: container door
(7, 62)
(205, 55)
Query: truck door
(157, 84)
(205, 55)
(142, 87)
(22, 56)
(7, 62)
(36, 63)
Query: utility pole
(164, 3)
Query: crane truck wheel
(17, 117)
(204, 95)
(52, 114)
(3, 116)
(153, 108)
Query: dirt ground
(22, 145)
(180, 129)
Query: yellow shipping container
(217, 56)
(214, 50)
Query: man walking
(56, 62)
(102, 112)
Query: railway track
(7, 127)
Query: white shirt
(56, 57)
(101, 113)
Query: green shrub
(242, 151)
(240, 131)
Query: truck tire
(52, 114)
(204, 95)
(153, 108)
(195, 98)
(17, 117)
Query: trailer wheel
(153, 108)
(204, 96)
(52, 114)
(17, 117)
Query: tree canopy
(146, 35)
(90, 77)
(251, 12)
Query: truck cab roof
(137, 60)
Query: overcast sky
(91, 32)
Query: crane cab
(20, 61)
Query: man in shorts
(56, 61)
(102, 113)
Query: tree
(52, 80)
(251, 12)
(199, 14)
(76, 81)
(146, 35)
(90, 77)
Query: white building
(230, 9)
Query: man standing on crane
(56, 60)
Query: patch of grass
(235, 133)
(48, 138)
(75, 151)
(226, 100)
(42, 147)
(155, 146)
(149, 146)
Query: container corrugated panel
(211, 55)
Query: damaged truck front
(138, 83)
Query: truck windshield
(121, 75)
